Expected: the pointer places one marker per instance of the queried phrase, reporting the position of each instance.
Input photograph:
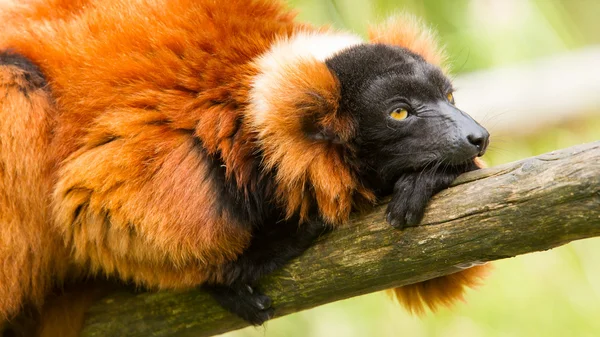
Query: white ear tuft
(287, 54)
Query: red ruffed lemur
(185, 143)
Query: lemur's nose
(480, 139)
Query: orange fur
(31, 253)
(103, 175)
(63, 312)
(440, 291)
(308, 91)
(119, 162)
(409, 32)
(120, 177)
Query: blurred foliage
(554, 293)
(477, 33)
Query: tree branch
(522, 207)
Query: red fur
(95, 178)
(409, 32)
(127, 106)
(441, 291)
(31, 254)
(63, 312)
(308, 91)
(147, 88)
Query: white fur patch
(318, 45)
(285, 53)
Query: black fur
(246, 204)
(417, 156)
(245, 301)
(413, 158)
(274, 242)
(32, 74)
(271, 248)
(413, 190)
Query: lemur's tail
(440, 291)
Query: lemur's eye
(399, 114)
(450, 98)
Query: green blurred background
(553, 293)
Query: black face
(405, 110)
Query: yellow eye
(450, 98)
(399, 114)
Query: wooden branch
(531, 205)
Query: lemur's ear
(299, 103)
(295, 97)
(405, 30)
(294, 113)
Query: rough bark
(522, 207)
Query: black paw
(413, 190)
(408, 202)
(244, 301)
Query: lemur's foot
(244, 301)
